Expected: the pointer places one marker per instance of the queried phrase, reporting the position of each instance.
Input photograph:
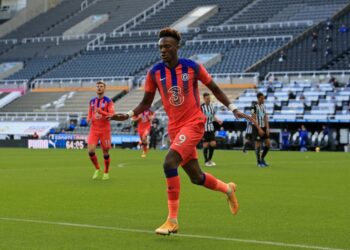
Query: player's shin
(173, 189)
(94, 160)
(205, 152)
(211, 152)
(107, 161)
(257, 153)
(264, 153)
(210, 182)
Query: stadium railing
(290, 75)
(85, 4)
(58, 39)
(21, 84)
(8, 41)
(40, 116)
(226, 78)
(260, 25)
(155, 8)
(125, 46)
(232, 40)
(149, 32)
(96, 42)
(82, 82)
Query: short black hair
(259, 95)
(170, 32)
(205, 94)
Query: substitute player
(177, 82)
(143, 128)
(260, 116)
(209, 142)
(100, 131)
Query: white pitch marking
(194, 236)
(121, 165)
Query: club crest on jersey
(176, 98)
(184, 77)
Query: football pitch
(49, 201)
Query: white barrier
(26, 128)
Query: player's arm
(146, 103)
(147, 100)
(220, 95)
(266, 118)
(152, 116)
(110, 109)
(217, 120)
(206, 79)
(89, 117)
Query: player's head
(100, 88)
(169, 43)
(206, 98)
(260, 96)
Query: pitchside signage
(71, 141)
(26, 128)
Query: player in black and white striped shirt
(260, 116)
(248, 136)
(209, 142)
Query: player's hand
(101, 112)
(261, 132)
(118, 117)
(239, 114)
(268, 133)
(220, 122)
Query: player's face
(100, 89)
(261, 99)
(207, 99)
(168, 47)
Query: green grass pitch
(301, 199)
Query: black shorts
(248, 136)
(257, 137)
(209, 136)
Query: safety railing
(239, 39)
(100, 38)
(144, 15)
(82, 81)
(260, 25)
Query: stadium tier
(221, 124)
(76, 56)
(32, 101)
(70, 12)
(244, 35)
(276, 10)
(325, 46)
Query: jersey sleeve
(203, 75)
(150, 84)
(89, 112)
(111, 110)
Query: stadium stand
(330, 46)
(179, 8)
(32, 101)
(76, 101)
(75, 62)
(48, 20)
(275, 10)
(250, 35)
